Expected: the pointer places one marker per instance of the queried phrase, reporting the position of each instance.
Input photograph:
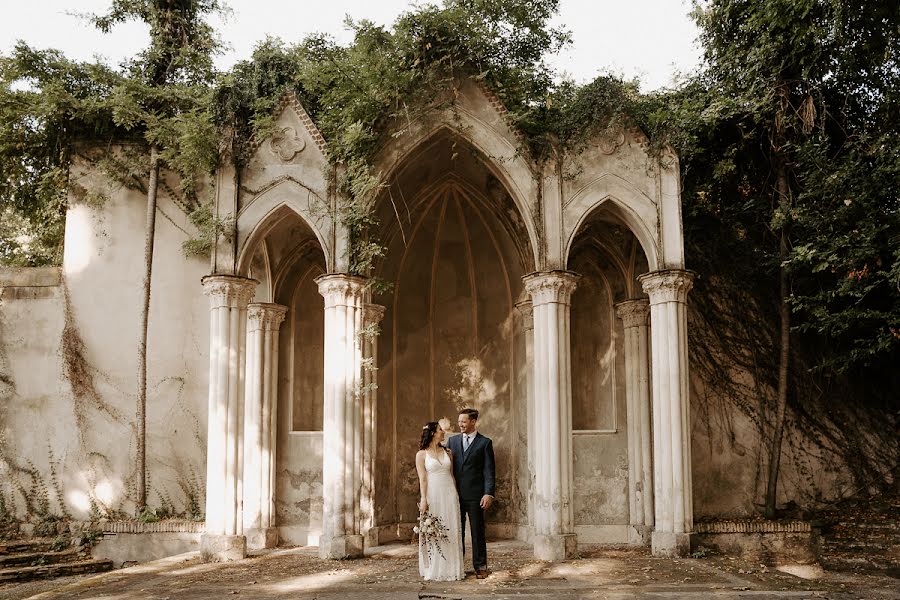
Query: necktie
(466, 443)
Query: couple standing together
(456, 482)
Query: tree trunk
(149, 235)
(785, 314)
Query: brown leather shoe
(481, 573)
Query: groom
(473, 467)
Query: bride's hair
(427, 434)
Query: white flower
(427, 522)
(415, 530)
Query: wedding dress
(443, 502)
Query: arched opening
(451, 337)
(608, 257)
(286, 257)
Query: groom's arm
(489, 477)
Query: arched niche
(629, 206)
(478, 127)
(285, 255)
(281, 198)
(450, 338)
(609, 257)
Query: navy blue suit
(474, 473)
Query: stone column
(668, 291)
(551, 293)
(260, 424)
(526, 312)
(372, 315)
(342, 427)
(228, 296)
(634, 315)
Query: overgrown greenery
(787, 136)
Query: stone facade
(288, 401)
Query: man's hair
(471, 412)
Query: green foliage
(48, 103)
(812, 85)
(209, 227)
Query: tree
(167, 82)
(792, 89)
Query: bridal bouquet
(432, 532)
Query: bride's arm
(452, 470)
(423, 481)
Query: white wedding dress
(443, 502)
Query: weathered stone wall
(69, 338)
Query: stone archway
(451, 335)
(612, 496)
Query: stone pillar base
(672, 545)
(370, 538)
(221, 548)
(555, 547)
(639, 535)
(266, 537)
(348, 546)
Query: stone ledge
(754, 527)
(168, 526)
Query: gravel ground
(391, 573)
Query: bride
(438, 497)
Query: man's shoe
(481, 573)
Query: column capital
(265, 316)
(633, 312)
(669, 285)
(373, 314)
(546, 287)
(526, 309)
(341, 289)
(228, 290)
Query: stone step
(23, 547)
(58, 570)
(41, 558)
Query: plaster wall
(88, 428)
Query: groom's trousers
(472, 510)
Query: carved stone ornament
(526, 309)
(633, 312)
(611, 140)
(228, 290)
(373, 314)
(265, 316)
(341, 289)
(671, 285)
(286, 144)
(551, 286)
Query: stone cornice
(341, 289)
(265, 316)
(633, 312)
(670, 285)
(228, 290)
(546, 287)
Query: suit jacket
(474, 468)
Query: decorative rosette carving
(228, 290)
(286, 144)
(671, 285)
(551, 286)
(265, 316)
(633, 312)
(610, 140)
